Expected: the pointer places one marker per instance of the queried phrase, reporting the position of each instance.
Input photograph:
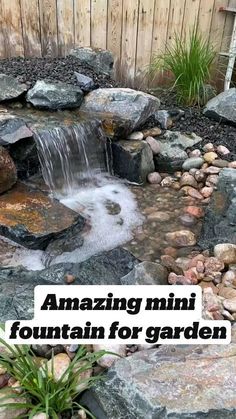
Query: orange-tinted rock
(195, 211)
(8, 175)
(31, 218)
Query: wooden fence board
(65, 21)
(175, 22)
(99, 23)
(205, 17)
(114, 31)
(82, 19)
(48, 20)
(3, 53)
(31, 27)
(190, 19)
(12, 28)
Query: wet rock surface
(132, 160)
(55, 96)
(12, 129)
(8, 174)
(33, 219)
(122, 110)
(169, 382)
(17, 284)
(10, 88)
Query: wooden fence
(132, 29)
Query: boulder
(33, 219)
(226, 252)
(219, 225)
(169, 382)
(146, 273)
(8, 174)
(222, 107)
(132, 160)
(12, 129)
(172, 153)
(85, 83)
(55, 96)
(17, 284)
(99, 59)
(10, 88)
(25, 155)
(122, 110)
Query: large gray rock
(223, 107)
(219, 225)
(132, 160)
(177, 382)
(10, 88)
(146, 273)
(172, 150)
(12, 129)
(122, 110)
(99, 59)
(25, 155)
(8, 174)
(55, 96)
(17, 284)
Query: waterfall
(71, 156)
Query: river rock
(33, 219)
(222, 150)
(193, 162)
(172, 153)
(8, 174)
(146, 273)
(219, 224)
(154, 144)
(106, 361)
(7, 397)
(57, 367)
(220, 163)
(45, 95)
(207, 191)
(100, 60)
(222, 107)
(132, 160)
(210, 156)
(154, 178)
(151, 132)
(230, 305)
(17, 284)
(122, 110)
(136, 135)
(10, 88)
(85, 83)
(168, 382)
(226, 252)
(12, 129)
(188, 180)
(181, 238)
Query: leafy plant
(38, 386)
(190, 61)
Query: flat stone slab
(33, 219)
(178, 382)
(12, 129)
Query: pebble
(208, 147)
(192, 171)
(220, 163)
(207, 191)
(60, 364)
(210, 156)
(192, 276)
(227, 292)
(137, 135)
(229, 279)
(40, 416)
(181, 238)
(213, 264)
(170, 251)
(212, 180)
(69, 279)
(152, 132)
(171, 264)
(195, 153)
(232, 164)
(192, 162)
(154, 178)
(222, 150)
(159, 216)
(194, 211)
(230, 305)
(187, 220)
(188, 180)
(167, 181)
(212, 170)
(226, 252)
(194, 193)
(174, 279)
(154, 145)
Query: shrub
(37, 384)
(190, 61)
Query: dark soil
(211, 131)
(29, 70)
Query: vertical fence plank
(129, 40)
(176, 15)
(82, 12)
(99, 23)
(205, 17)
(12, 28)
(114, 31)
(31, 27)
(190, 19)
(2, 40)
(218, 24)
(144, 41)
(65, 22)
(48, 20)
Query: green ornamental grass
(189, 60)
(40, 392)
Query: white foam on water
(18, 255)
(107, 230)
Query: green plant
(189, 60)
(38, 386)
